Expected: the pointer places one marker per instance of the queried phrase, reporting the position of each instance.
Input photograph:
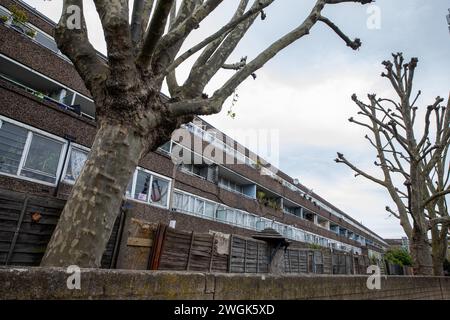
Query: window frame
(66, 165)
(31, 130)
(149, 201)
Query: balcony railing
(32, 32)
(43, 97)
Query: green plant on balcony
(4, 19)
(258, 165)
(19, 16)
(261, 196)
(31, 33)
(272, 203)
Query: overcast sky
(304, 92)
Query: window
(231, 186)
(221, 213)
(231, 216)
(199, 206)
(12, 144)
(166, 147)
(142, 186)
(210, 209)
(239, 218)
(250, 222)
(160, 191)
(75, 164)
(150, 188)
(29, 154)
(200, 171)
(42, 159)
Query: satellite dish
(296, 181)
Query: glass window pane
(209, 209)
(12, 143)
(221, 213)
(160, 191)
(42, 159)
(199, 206)
(260, 225)
(76, 162)
(166, 146)
(251, 221)
(231, 216)
(185, 203)
(191, 204)
(142, 186)
(239, 219)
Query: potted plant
(4, 19)
(31, 33)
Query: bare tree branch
(222, 32)
(354, 44)
(139, 21)
(74, 43)
(155, 31)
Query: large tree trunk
(88, 217)
(439, 249)
(420, 249)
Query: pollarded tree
(417, 161)
(132, 117)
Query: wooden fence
(248, 255)
(27, 223)
(307, 261)
(182, 251)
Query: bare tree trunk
(439, 249)
(421, 252)
(88, 217)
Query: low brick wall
(45, 283)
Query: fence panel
(27, 223)
(182, 250)
(307, 261)
(248, 255)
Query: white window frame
(66, 165)
(26, 150)
(150, 202)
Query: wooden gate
(27, 223)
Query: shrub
(400, 257)
(315, 246)
(31, 33)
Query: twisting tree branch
(354, 44)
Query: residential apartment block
(47, 125)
